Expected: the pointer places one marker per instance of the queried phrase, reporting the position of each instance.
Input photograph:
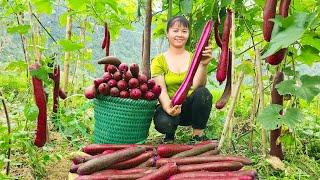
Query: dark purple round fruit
(97, 82)
(142, 78)
(114, 92)
(156, 89)
(134, 69)
(90, 92)
(133, 83)
(149, 95)
(124, 94)
(112, 83)
(127, 76)
(151, 83)
(123, 67)
(135, 93)
(111, 68)
(122, 85)
(144, 87)
(117, 76)
(104, 89)
(107, 76)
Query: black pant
(195, 111)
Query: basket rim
(125, 100)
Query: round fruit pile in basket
(124, 81)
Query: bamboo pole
(261, 98)
(253, 110)
(147, 40)
(233, 72)
(231, 110)
(76, 76)
(67, 54)
(32, 31)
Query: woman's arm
(200, 78)
(164, 98)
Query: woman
(169, 70)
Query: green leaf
(41, 73)
(287, 139)
(292, 117)
(246, 67)
(31, 112)
(68, 45)
(16, 66)
(225, 3)
(286, 87)
(113, 4)
(269, 117)
(307, 92)
(77, 5)
(309, 55)
(287, 31)
(312, 40)
(21, 29)
(63, 19)
(43, 6)
(283, 39)
(186, 6)
(307, 80)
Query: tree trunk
(147, 40)
(67, 55)
(276, 98)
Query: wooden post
(67, 55)
(261, 97)
(147, 40)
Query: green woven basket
(122, 121)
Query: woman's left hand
(206, 55)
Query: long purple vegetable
(182, 92)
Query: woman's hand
(206, 55)
(173, 110)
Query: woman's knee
(165, 123)
(203, 95)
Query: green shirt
(173, 80)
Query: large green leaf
(310, 80)
(68, 45)
(292, 117)
(307, 92)
(21, 29)
(286, 87)
(309, 55)
(186, 6)
(312, 40)
(290, 30)
(43, 6)
(269, 117)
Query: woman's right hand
(173, 110)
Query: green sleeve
(157, 66)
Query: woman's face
(178, 35)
